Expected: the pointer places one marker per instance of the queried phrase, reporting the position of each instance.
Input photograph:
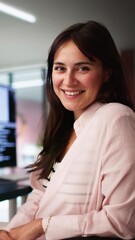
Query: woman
(83, 180)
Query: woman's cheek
(56, 80)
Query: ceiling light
(17, 13)
(27, 84)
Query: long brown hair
(94, 41)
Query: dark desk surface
(93, 238)
(13, 189)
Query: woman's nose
(69, 78)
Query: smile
(72, 93)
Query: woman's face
(76, 79)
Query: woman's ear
(108, 73)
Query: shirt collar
(86, 116)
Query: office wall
(128, 57)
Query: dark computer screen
(7, 127)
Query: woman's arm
(30, 231)
(27, 211)
(4, 235)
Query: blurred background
(24, 48)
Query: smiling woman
(77, 80)
(89, 135)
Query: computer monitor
(7, 127)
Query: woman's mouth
(72, 93)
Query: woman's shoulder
(114, 112)
(116, 109)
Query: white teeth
(72, 93)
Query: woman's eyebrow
(58, 63)
(83, 62)
(76, 64)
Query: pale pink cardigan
(93, 190)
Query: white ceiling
(23, 43)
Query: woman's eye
(83, 68)
(59, 68)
